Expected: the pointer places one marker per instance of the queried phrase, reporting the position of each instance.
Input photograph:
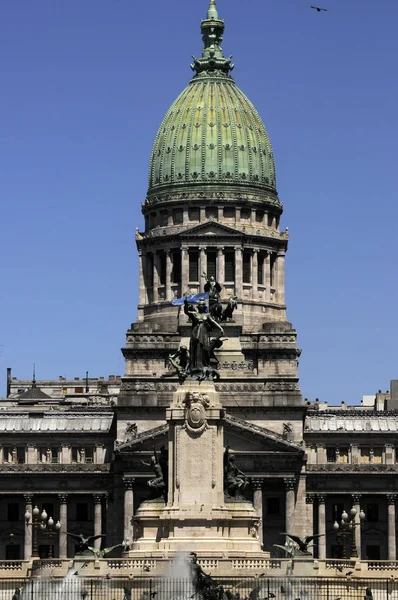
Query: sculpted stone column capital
(391, 498)
(309, 499)
(63, 498)
(128, 483)
(321, 499)
(98, 498)
(290, 483)
(356, 498)
(28, 498)
(257, 483)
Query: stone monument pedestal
(196, 516)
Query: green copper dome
(212, 134)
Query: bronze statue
(302, 542)
(157, 485)
(84, 540)
(199, 349)
(235, 481)
(214, 290)
(180, 361)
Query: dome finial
(212, 13)
(213, 59)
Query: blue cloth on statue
(194, 299)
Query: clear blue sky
(84, 87)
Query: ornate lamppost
(345, 530)
(45, 524)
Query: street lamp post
(47, 526)
(346, 530)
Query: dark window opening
(177, 216)
(259, 216)
(79, 390)
(331, 455)
(89, 454)
(74, 455)
(337, 511)
(193, 266)
(193, 214)
(229, 265)
(49, 508)
(150, 269)
(372, 552)
(162, 268)
(372, 512)
(13, 511)
(247, 276)
(211, 263)
(81, 511)
(245, 213)
(272, 270)
(229, 212)
(176, 269)
(44, 551)
(13, 552)
(164, 218)
(211, 212)
(260, 269)
(54, 455)
(337, 550)
(270, 219)
(273, 506)
(20, 455)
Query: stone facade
(81, 449)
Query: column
(280, 278)
(142, 294)
(267, 275)
(220, 214)
(202, 264)
(238, 272)
(392, 543)
(184, 270)
(309, 502)
(253, 217)
(168, 295)
(128, 509)
(322, 527)
(28, 528)
(258, 505)
(220, 265)
(237, 216)
(97, 519)
(290, 485)
(63, 518)
(155, 276)
(202, 214)
(254, 274)
(356, 499)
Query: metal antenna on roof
(34, 376)
(87, 382)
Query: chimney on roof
(8, 382)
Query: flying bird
(318, 8)
(303, 542)
(84, 540)
(349, 573)
(283, 591)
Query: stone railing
(13, 565)
(338, 563)
(382, 565)
(256, 563)
(141, 564)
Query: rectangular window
(272, 270)
(247, 263)
(270, 219)
(193, 214)
(20, 455)
(378, 456)
(365, 455)
(79, 390)
(229, 265)
(331, 455)
(13, 552)
(260, 269)
(372, 512)
(259, 216)
(176, 270)
(372, 553)
(177, 216)
(211, 263)
(211, 212)
(75, 455)
(89, 454)
(164, 218)
(343, 455)
(337, 511)
(162, 268)
(193, 266)
(13, 511)
(81, 511)
(229, 212)
(245, 214)
(273, 506)
(54, 455)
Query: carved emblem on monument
(195, 412)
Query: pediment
(210, 229)
(145, 441)
(243, 435)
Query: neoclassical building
(81, 449)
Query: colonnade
(321, 500)
(270, 277)
(31, 502)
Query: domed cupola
(212, 136)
